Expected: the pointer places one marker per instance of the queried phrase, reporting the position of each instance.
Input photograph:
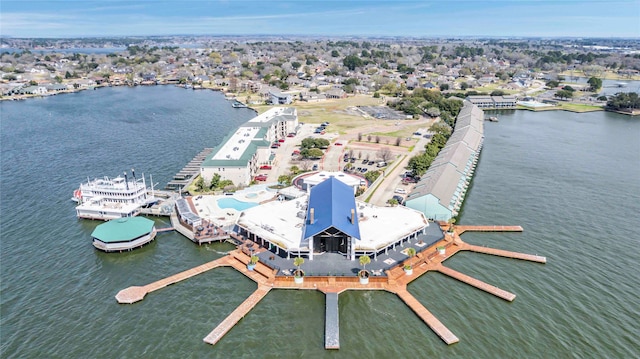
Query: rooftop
(123, 229)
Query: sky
(443, 18)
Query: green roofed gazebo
(123, 234)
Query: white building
(240, 155)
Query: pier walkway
(237, 314)
(135, 293)
(445, 334)
(503, 253)
(476, 283)
(461, 229)
(395, 281)
(331, 322)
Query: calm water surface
(571, 180)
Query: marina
(525, 176)
(184, 178)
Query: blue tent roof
(332, 201)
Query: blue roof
(332, 201)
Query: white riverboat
(110, 198)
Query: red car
(281, 140)
(338, 144)
(291, 135)
(265, 167)
(261, 178)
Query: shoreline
(221, 90)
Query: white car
(401, 190)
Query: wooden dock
(503, 253)
(461, 229)
(476, 283)
(395, 281)
(134, 294)
(237, 314)
(443, 332)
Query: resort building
(493, 102)
(440, 192)
(240, 155)
(329, 220)
(350, 180)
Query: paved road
(393, 177)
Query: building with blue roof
(329, 219)
(332, 219)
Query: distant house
(429, 86)
(56, 87)
(33, 90)
(279, 98)
(335, 93)
(493, 101)
(312, 97)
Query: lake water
(571, 180)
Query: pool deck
(394, 281)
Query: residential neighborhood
(495, 73)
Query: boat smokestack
(133, 173)
(126, 181)
(311, 213)
(353, 215)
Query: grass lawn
(343, 118)
(578, 107)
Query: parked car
(400, 199)
(338, 144)
(261, 177)
(281, 140)
(401, 191)
(265, 167)
(381, 164)
(315, 167)
(291, 135)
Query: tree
(552, 84)
(385, 154)
(444, 87)
(335, 53)
(284, 180)
(298, 261)
(433, 112)
(595, 83)
(215, 181)
(351, 62)
(563, 94)
(398, 141)
(359, 136)
(311, 153)
(364, 260)
(464, 86)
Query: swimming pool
(235, 204)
